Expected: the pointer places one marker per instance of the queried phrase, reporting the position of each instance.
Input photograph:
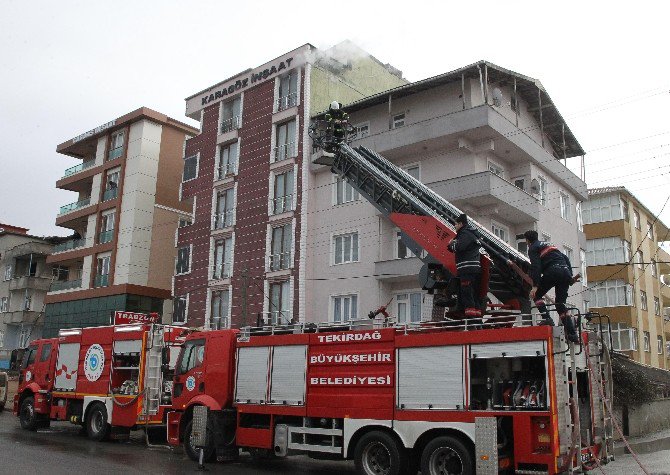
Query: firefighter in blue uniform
(466, 246)
(550, 268)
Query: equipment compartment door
(66, 367)
(289, 365)
(252, 375)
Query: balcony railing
(226, 170)
(223, 220)
(115, 153)
(78, 168)
(284, 152)
(222, 271)
(282, 204)
(287, 102)
(65, 284)
(279, 261)
(105, 236)
(74, 206)
(278, 317)
(110, 194)
(101, 280)
(69, 245)
(231, 124)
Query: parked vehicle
(4, 389)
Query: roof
(12, 229)
(527, 88)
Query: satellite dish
(497, 97)
(535, 186)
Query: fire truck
(109, 379)
(451, 395)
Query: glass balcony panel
(101, 280)
(74, 206)
(115, 153)
(110, 194)
(69, 245)
(105, 236)
(78, 168)
(65, 285)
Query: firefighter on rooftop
(466, 246)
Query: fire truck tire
(97, 427)
(446, 455)
(27, 415)
(193, 452)
(378, 453)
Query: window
(543, 190)
(192, 356)
(345, 248)
(107, 227)
(520, 183)
(624, 338)
(46, 352)
(568, 252)
(408, 307)
(362, 130)
(565, 205)
(627, 251)
(27, 302)
(220, 310)
(179, 309)
(633, 339)
(231, 115)
(646, 340)
(345, 308)
(102, 274)
(610, 293)
(4, 304)
(544, 237)
(190, 168)
(580, 220)
(654, 269)
(227, 161)
(280, 310)
(24, 339)
(650, 231)
(413, 170)
(344, 192)
(285, 146)
(60, 273)
(183, 260)
(496, 169)
(624, 209)
(636, 219)
(225, 209)
(398, 121)
(659, 344)
(521, 244)
(643, 300)
(281, 246)
(111, 185)
(8, 272)
(282, 199)
(639, 259)
(288, 91)
(2, 338)
(116, 145)
(657, 306)
(499, 230)
(402, 251)
(183, 222)
(599, 209)
(223, 258)
(582, 260)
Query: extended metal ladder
(153, 374)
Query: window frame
(189, 249)
(408, 303)
(636, 220)
(501, 227)
(227, 246)
(185, 300)
(225, 316)
(564, 203)
(646, 341)
(352, 248)
(285, 247)
(397, 122)
(359, 127)
(644, 305)
(196, 168)
(345, 186)
(352, 299)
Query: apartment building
(246, 176)
(124, 220)
(626, 280)
(25, 281)
(489, 140)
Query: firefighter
(550, 268)
(466, 246)
(337, 120)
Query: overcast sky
(69, 66)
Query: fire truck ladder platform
(392, 190)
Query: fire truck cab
(392, 398)
(109, 379)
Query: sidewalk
(652, 450)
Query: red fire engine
(109, 379)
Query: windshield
(29, 357)
(192, 356)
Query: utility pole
(245, 284)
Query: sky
(69, 66)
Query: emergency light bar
(69, 332)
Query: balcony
(286, 102)
(398, 270)
(20, 316)
(490, 192)
(65, 285)
(223, 220)
(30, 282)
(78, 168)
(228, 125)
(115, 153)
(281, 204)
(69, 245)
(74, 206)
(101, 280)
(284, 152)
(280, 261)
(110, 194)
(222, 271)
(105, 236)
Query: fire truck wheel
(192, 451)
(27, 414)
(446, 455)
(378, 453)
(96, 423)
